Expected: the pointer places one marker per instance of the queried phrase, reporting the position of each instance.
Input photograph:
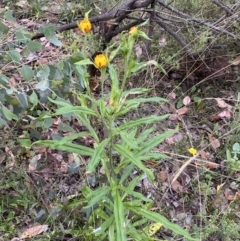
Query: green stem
(111, 164)
(85, 45)
(102, 80)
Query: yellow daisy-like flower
(85, 25)
(192, 151)
(133, 31)
(101, 61)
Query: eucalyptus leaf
(42, 85)
(8, 114)
(27, 72)
(14, 56)
(23, 100)
(3, 79)
(34, 46)
(3, 28)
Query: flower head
(133, 31)
(100, 61)
(85, 25)
(192, 151)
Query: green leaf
(97, 196)
(119, 216)
(43, 73)
(154, 141)
(96, 157)
(3, 122)
(84, 62)
(141, 121)
(42, 85)
(8, 114)
(131, 142)
(127, 171)
(141, 66)
(135, 234)
(9, 16)
(154, 156)
(3, 28)
(75, 109)
(23, 36)
(144, 135)
(145, 100)
(25, 142)
(14, 55)
(23, 100)
(114, 52)
(69, 147)
(72, 137)
(105, 225)
(3, 79)
(137, 195)
(135, 160)
(27, 72)
(156, 217)
(49, 33)
(33, 99)
(34, 46)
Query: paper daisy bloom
(192, 151)
(85, 25)
(100, 61)
(133, 31)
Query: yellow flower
(85, 25)
(101, 61)
(133, 31)
(192, 151)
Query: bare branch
(225, 8)
(118, 14)
(188, 17)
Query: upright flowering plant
(120, 146)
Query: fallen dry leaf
(173, 117)
(212, 165)
(222, 104)
(186, 100)
(182, 111)
(176, 186)
(138, 51)
(226, 114)
(162, 176)
(162, 42)
(214, 117)
(173, 95)
(32, 232)
(204, 155)
(236, 61)
(215, 143)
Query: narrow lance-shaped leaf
(152, 142)
(119, 216)
(97, 196)
(72, 109)
(145, 120)
(96, 157)
(127, 154)
(156, 217)
(69, 147)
